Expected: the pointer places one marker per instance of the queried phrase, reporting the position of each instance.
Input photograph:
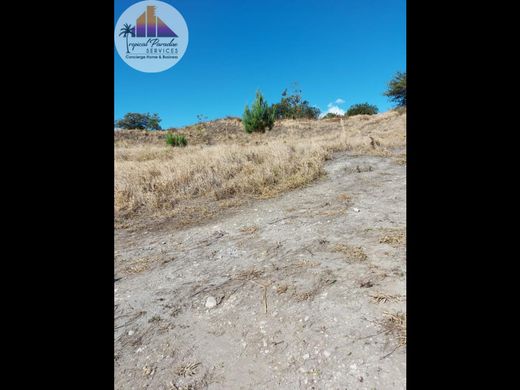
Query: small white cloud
(339, 101)
(330, 105)
(334, 110)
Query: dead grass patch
(249, 274)
(384, 298)
(187, 369)
(351, 252)
(282, 288)
(140, 265)
(400, 160)
(394, 238)
(395, 324)
(249, 229)
(325, 279)
(344, 197)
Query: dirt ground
(304, 291)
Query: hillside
(263, 261)
(223, 166)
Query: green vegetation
(362, 109)
(133, 120)
(176, 140)
(294, 107)
(397, 89)
(260, 117)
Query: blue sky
(335, 50)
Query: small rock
(130, 332)
(326, 353)
(306, 318)
(306, 356)
(356, 210)
(211, 302)
(164, 242)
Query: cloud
(334, 110)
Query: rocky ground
(304, 291)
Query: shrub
(397, 89)
(259, 117)
(293, 107)
(134, 120)
(362, 109)
(176, 140)
(331, 115)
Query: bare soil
(309, 290)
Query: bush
(176, 140)
(362, 109)
(293, 107)
(259, 117)
(397, 89)
(134, 120)
(331, 115)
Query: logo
(151, 36)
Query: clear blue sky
(345, 50)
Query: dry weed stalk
(383, 298)
(188, 369)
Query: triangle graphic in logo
(163, 30)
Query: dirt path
(332, 259)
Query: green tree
(397, 89)
(134, 120)
(153, 122)
(293, 106)
(260, 117)
(362, 109)
(125, 31)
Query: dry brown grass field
(262, 261)
(223, 166)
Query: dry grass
(249, 229)
(282, 288)
(395, 324)
(249, 274)
(394, 238)
(351, 252)
(401, 159)
(222, 166)
(324, 280)
(188, 369)
(344, 197)
(139, 265)
(384, 298)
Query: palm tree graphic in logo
(127, 29)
